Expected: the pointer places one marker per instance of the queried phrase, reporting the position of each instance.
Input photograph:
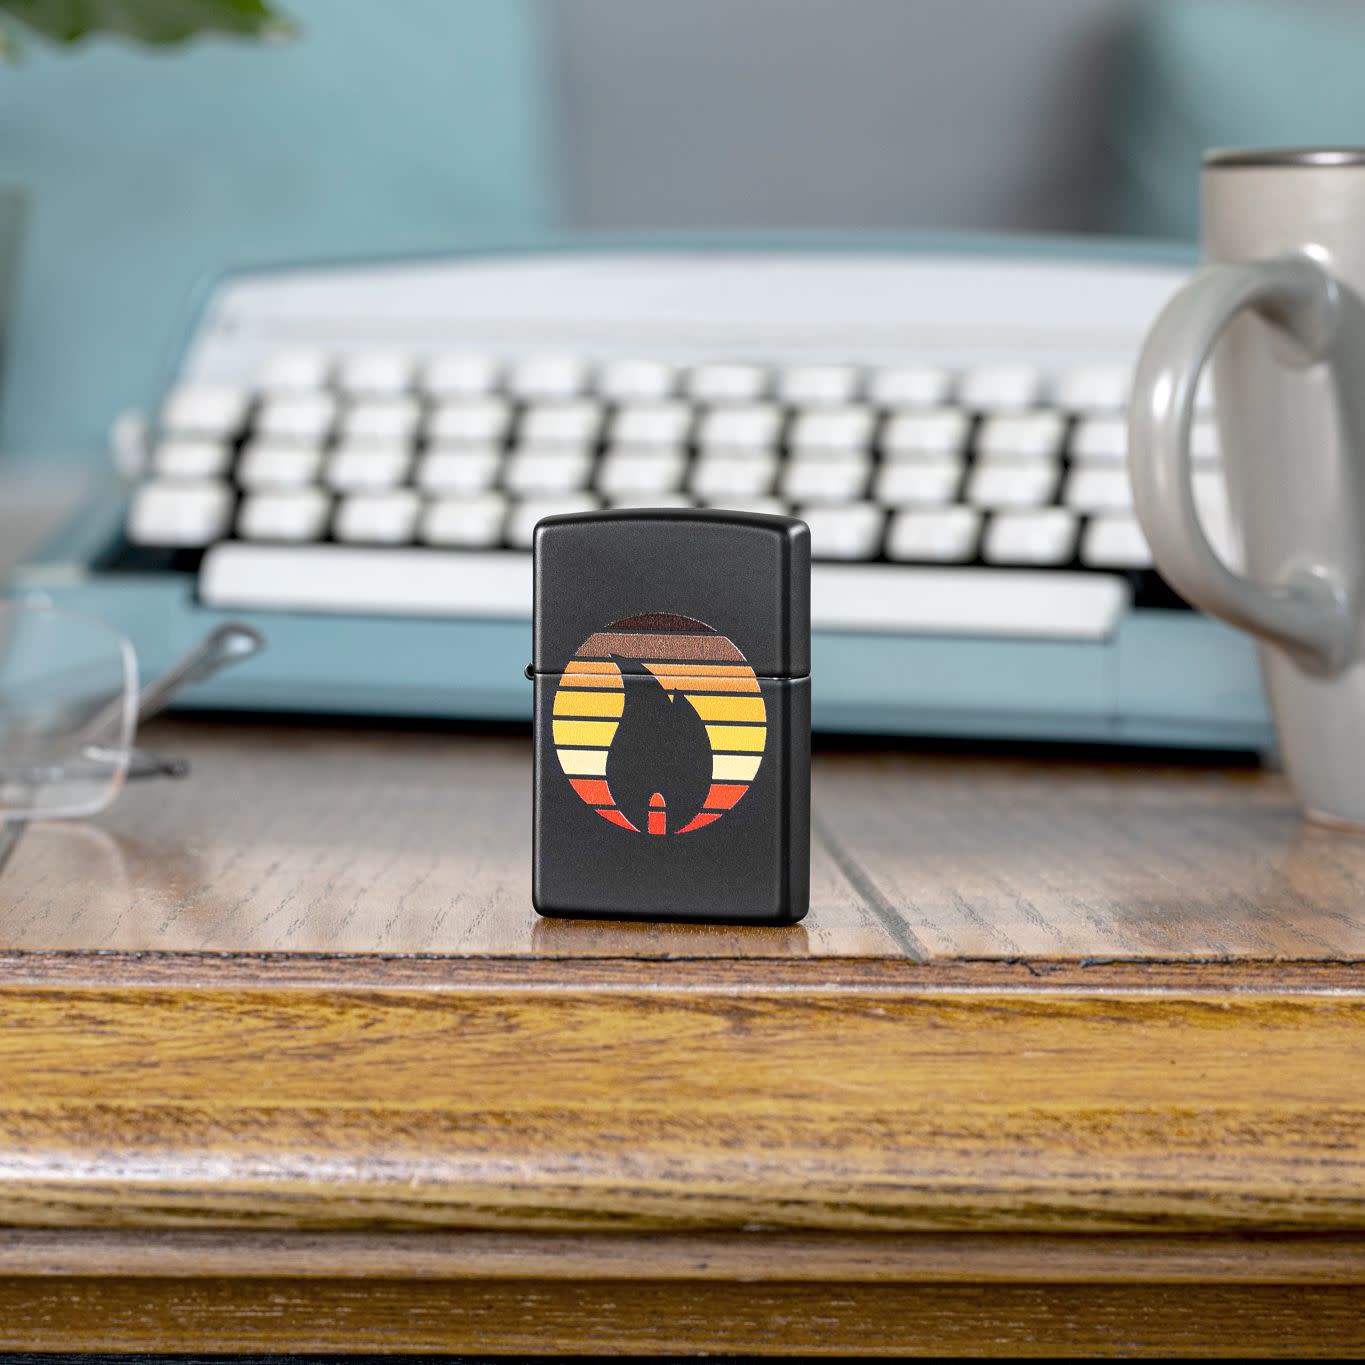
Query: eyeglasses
(70, 705)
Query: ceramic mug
(1281, 309)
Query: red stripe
(723, 795)
(697, 821)
(593, 790)
(616, 818)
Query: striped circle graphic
(692, 664)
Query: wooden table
(1067, 1057)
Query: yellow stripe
(727, 708)
(728, 767)
(583, 762)
(748, 737)
(570, 702)
(585, 731)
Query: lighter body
(672, 717)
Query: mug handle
(1309, 615)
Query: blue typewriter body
(1154, 673)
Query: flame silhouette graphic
(664, 759)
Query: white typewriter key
(1097, 488)
(1115, 541)
(929, 479)
(537, 471)
(377, 373)
(816, 479)
(768, 507)
(188, 458)
(818, 385)
(834, 429)
(278, 464)
(941, 536)
(749, 426)
(910, 386)
(555, 423)
(635, 381)
(1100, 440)
(179, 514)
(353, 469)
(476, 521)
(1001, 388)
(521, 524)
(459, 374)
(1093, 389)
(936, 431)
(727, 383)
(626, 473)
(852, 532)
(734, 476)
(459, 469)
(296, 371)
(287, 514)
(378, 518)
(1037, 434)
(1047, 536)
(204, 410)
(652, 424)
(473, 420)
(548, 377)
(651, 500)
(1012, 483)
(381, 419)
(297, 417)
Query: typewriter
(354, 457)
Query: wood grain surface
(309, 839)
(827, 1258)
(661, 1111)
(1064, 1060)
(649, 1317)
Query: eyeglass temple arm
(227, 644)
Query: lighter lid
(698, 580)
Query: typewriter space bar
(879, 598)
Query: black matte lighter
(672, 716)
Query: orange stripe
(723, 795)
(671, 682)
(594, 790)
(616, 818)
(592, 666)
(592, 680)
(697, 821)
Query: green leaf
(156, 22)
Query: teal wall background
(384, 127)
